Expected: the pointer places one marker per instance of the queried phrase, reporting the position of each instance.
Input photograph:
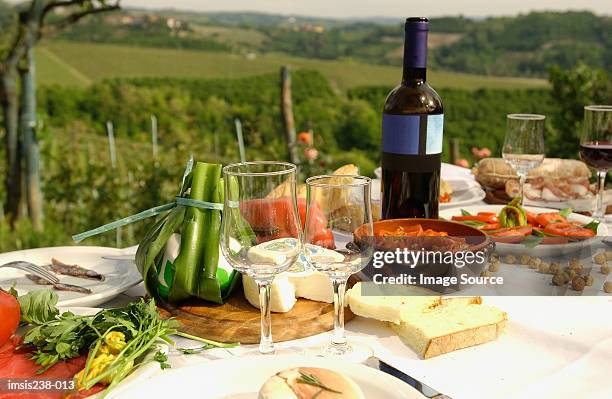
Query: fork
(33, 269)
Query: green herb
(67, 336)
(465, 213)
(473, 223)
(593, 225)
(565, 212)
(532, 241)
(194, 351)
(162, 359)
(313, 380)
(38, 307)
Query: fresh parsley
(38, 307)
(593, 225)
(565, 212)
(465, 213)
(162, 359)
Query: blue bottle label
(412, 134)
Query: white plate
(464, 193)
(540, 250)
(120, 274)
(464, 197)
(243, 377)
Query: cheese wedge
(451, 326)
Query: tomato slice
(511, 235)
(485, 217)
(490, 226)
(531, 218)
(544, 219)
(569, 230)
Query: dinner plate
(463, 197)
(539, 250)
(243, 377)
(464, 193)
(120, 274)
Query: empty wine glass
(596, 148)
(524, 144)
(261, 233)
(337, 207)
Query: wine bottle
(412, 126)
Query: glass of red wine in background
(524, 144)
(596, 148)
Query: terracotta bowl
(476, 242)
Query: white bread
(451, 326)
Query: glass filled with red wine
(596, 148)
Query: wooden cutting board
(238, 321)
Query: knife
(424, 389)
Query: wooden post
(154, 137)
(240, 139)
(287, 113)
(113, 158)
(111, 143)
(31, 149)
(454, 151)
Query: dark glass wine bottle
(413, 120)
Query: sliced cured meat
(16, 364)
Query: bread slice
(451, 326)
(396, 308)
(390, 308)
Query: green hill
(77, 64)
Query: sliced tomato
(510, 235)
(544, 219)
(566, 229)
(490, 226)
(485, 217)
(531, 218)
(324, 238)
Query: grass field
(78, 64)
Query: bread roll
(290, 384)
(495, 172)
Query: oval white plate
(242, 377)
(120, 274)
(464, 197)
(540, 250)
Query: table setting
(258, 281)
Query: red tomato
(511, 235)
(270, 219)
(9, 314)
(531, 218)
(486, 217)
(490, 226)
(324, 238)
(569, 230)
(544, 219)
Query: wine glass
(336, 207)
(524, 144)
(261, 232)
(596, 148)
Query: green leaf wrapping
(197, 230)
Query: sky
(384, 8)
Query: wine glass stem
(600, 209)
(339, 338)
(265, 341)
(522, 179)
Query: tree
(36, 19)
(572, 89)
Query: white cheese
(297, 282)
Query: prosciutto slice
(16, 364)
